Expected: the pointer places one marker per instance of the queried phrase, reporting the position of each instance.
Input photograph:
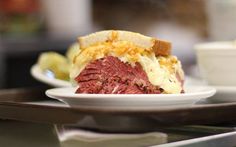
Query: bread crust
(158, 46)
(162, 47)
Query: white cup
(67, 18)
(216, 61)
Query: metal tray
(32, 105)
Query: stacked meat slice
(109, 75)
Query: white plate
(224, 94)
(147, 101)
(39, 75)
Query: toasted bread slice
(159, 47)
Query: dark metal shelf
(18, 45)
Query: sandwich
(123, 62)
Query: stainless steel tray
(32, 105)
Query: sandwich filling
(109, 75)
(164, 72)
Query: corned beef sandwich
(122, 62)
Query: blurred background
(29, 27)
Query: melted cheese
(161, 71)
(161, 74)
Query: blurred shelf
(19, 53)
(31, 44)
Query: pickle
(56, 63)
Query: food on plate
(122, 62)
(57, 64)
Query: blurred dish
(224, 94)
(47, 77)
(131, 101)
(56, 63)
(53, 68)
(216, 61)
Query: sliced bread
(159, 47)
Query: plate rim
(202, 82)
(139, 97)
(225, 88)
(36, 72)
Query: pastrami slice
(109, 75)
